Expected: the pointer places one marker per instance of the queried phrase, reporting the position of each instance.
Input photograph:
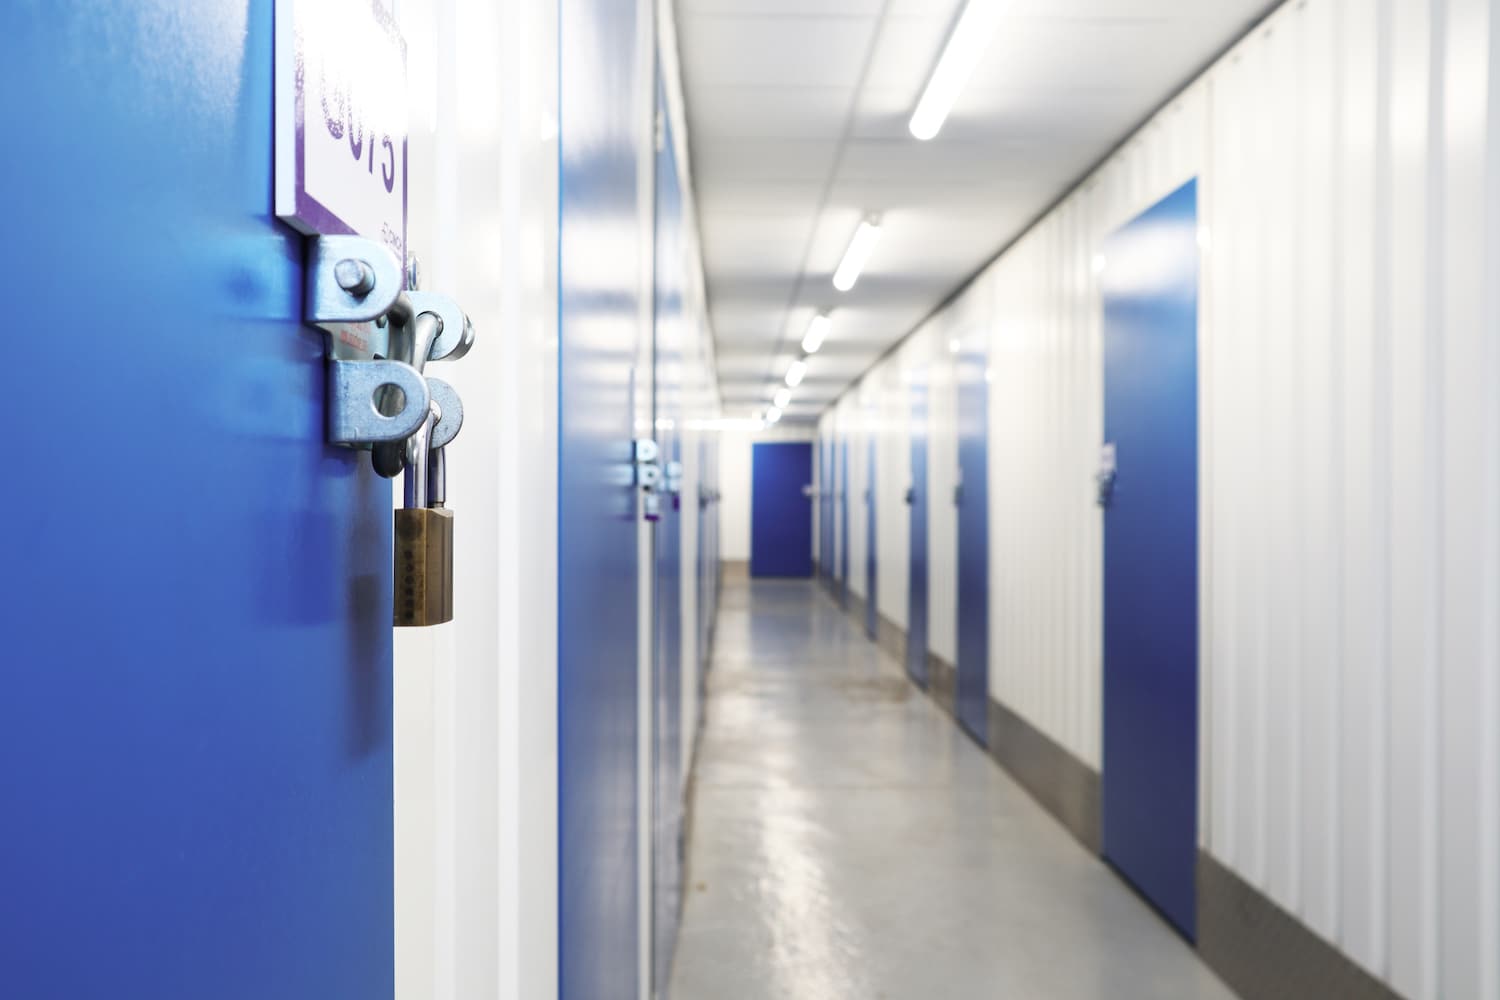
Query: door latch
(381, 334)
(1104, 479)
(382, 330)
(648, 476)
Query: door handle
(1104, 484)
(1104, 479)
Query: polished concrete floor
(849, 842)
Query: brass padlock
(424, 534)
(424, 566)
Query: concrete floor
(850, 842)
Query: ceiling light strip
(817, 330)
(966, 46)
(860, 248)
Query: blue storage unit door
(916, 499)
(601, 140)
(666, 835)
(973, 539)
(871, 542)
(780, 509)
(195, 727)
(843, 516)
(1151, 554)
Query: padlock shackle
(418, 453)
(437, 478)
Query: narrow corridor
(848, 842)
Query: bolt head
(355, 277)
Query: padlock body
(424, 566)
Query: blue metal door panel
(843, 516)
(601, 132)
(667, 797)
(1151, 555)
(707, 559)
(871, 541)
(780, 513)
(973, 541)
(916, 594)
(195, 731)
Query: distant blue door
(1151, 555)
(973, 540)
(826, 494)
(871, 542)
(195, 725)
(916, 498)
(780, 510)
(600, 146)
(666, 835)
(843, 516)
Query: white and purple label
(341, 120)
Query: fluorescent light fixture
(816, 331)
(858, 253)
(955, 345)
(796, 373)
(966, 46)
(782, 398)
(773, 415)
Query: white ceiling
(797, 113)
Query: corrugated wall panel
(1362, 756)
(1470, 890)
(1350, 471)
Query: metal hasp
(423, 327)
(357, 392)
(380, 337)
(382, 331)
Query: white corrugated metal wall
(1350, 471)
